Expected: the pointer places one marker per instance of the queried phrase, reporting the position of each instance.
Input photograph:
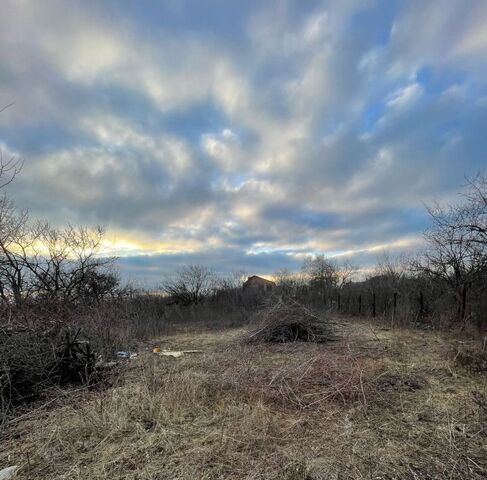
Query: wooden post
(373, 305)
(339, 305)
(360, 304)
(421, 304)
(394, 308)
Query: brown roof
(256, 280)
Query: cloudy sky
(243, 134)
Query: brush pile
(286, 320)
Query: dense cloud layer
(243, 134)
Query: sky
(243, 135)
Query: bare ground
(375, 404)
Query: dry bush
(30, 348)
(52, 344)
(32, 361)
(286, 320)
(473, 360)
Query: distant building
(256, 285)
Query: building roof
(260, 280)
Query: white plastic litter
(8, 473)
(177, 353)
(127, 355)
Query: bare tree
(286, 281)
(190, 285)
(326, 274)
(472, 213)
(454, 255)
(14, 285)
(9, 169)
(391, 270)
(346, 272)
(12, 229)
(64, 261)
(56, 264)
(321, 273)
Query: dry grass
(375, 404)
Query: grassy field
(374, 404)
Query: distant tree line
(444, 283)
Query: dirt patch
(400, 383)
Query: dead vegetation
(380, 404)
(284, 320)
(34, 361)
(472, 359)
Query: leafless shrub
(473, 360)
(32, 361)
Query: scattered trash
(126, 355)
(172, 354)
(176, 353)
(8, 473)
(156, 349)
(123, 354)
(120, 356)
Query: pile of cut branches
(286, 320)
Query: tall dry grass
(30, 346)
(375, 404)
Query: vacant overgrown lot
(374, 403)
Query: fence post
(339, 305)
(360, 304)
(421, 304)
(373, 305)
(394, 308)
